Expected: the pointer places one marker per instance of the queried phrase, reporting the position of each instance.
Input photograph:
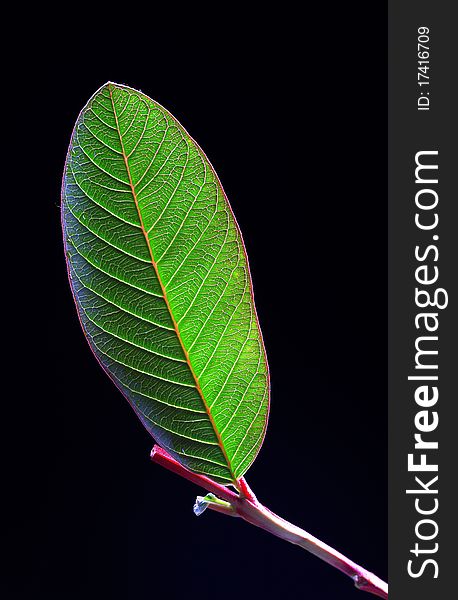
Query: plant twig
(246, 506)
(163, 458)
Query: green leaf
(161, 282)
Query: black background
(291, 110)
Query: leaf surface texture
(161, 282)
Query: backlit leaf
(161, 282)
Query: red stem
(163, 458)
(248, 508)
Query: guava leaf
(161, 282)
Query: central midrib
(164, 293)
